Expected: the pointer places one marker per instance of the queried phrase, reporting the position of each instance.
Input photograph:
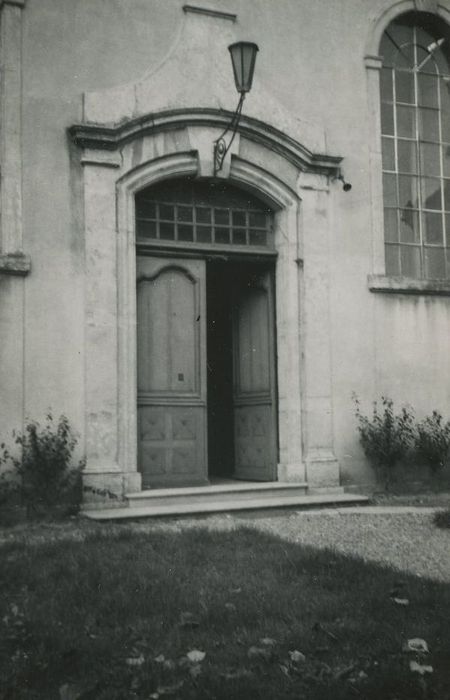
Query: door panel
(254, 378)
(171, 361)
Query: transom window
(415, 126)
(202, 213)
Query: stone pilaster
(11, 125)
(101, 392)
(322, 468)
(14, 265)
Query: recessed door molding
(111, 180)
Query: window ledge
(15, 264)
(407, 285)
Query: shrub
(442, 519)
(41, 474)
(433, 441)
(386, 438)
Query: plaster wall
(311, 63)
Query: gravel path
(407, 540)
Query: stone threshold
(224, 486)
(253, 499)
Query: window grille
(415, 127)
(205, 214)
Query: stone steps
(213, 493)
(222, 498)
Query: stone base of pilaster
(132, 482)
(291, 472)
(322, 469)
(103, 488)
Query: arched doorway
(206, 357)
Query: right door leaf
(254, 405)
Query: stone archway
(120, 161)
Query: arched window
(415, 126)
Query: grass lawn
(106, 612)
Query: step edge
(219, 506)
(217, 488)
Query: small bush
(41, 474)
(386, 437)
(442, 519)
(433, 441)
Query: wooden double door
(205, 371)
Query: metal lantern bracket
(220, 146)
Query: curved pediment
(193, 86)
(110, 138)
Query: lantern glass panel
(243, 56)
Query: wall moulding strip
(405, 285)
(18, 264)
(210, 12)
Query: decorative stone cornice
(109, 138)
(210, 12)
(15, 264)
(106, 159)
(16, 3)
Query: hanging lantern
(243, 58)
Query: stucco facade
(103, 98)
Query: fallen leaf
(135, 660)
(231, 607)
(169, 665)
(259, 653)
(420, 668)
(159, 659)
(398, 589)
(196, 656)
(188, 619)
(344, 672)
(267, 641)
(297, 657)
(401, 601)
(236, 590)
(284, 669)
(416, 644)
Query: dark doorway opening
(219, 278)
(230, 288)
